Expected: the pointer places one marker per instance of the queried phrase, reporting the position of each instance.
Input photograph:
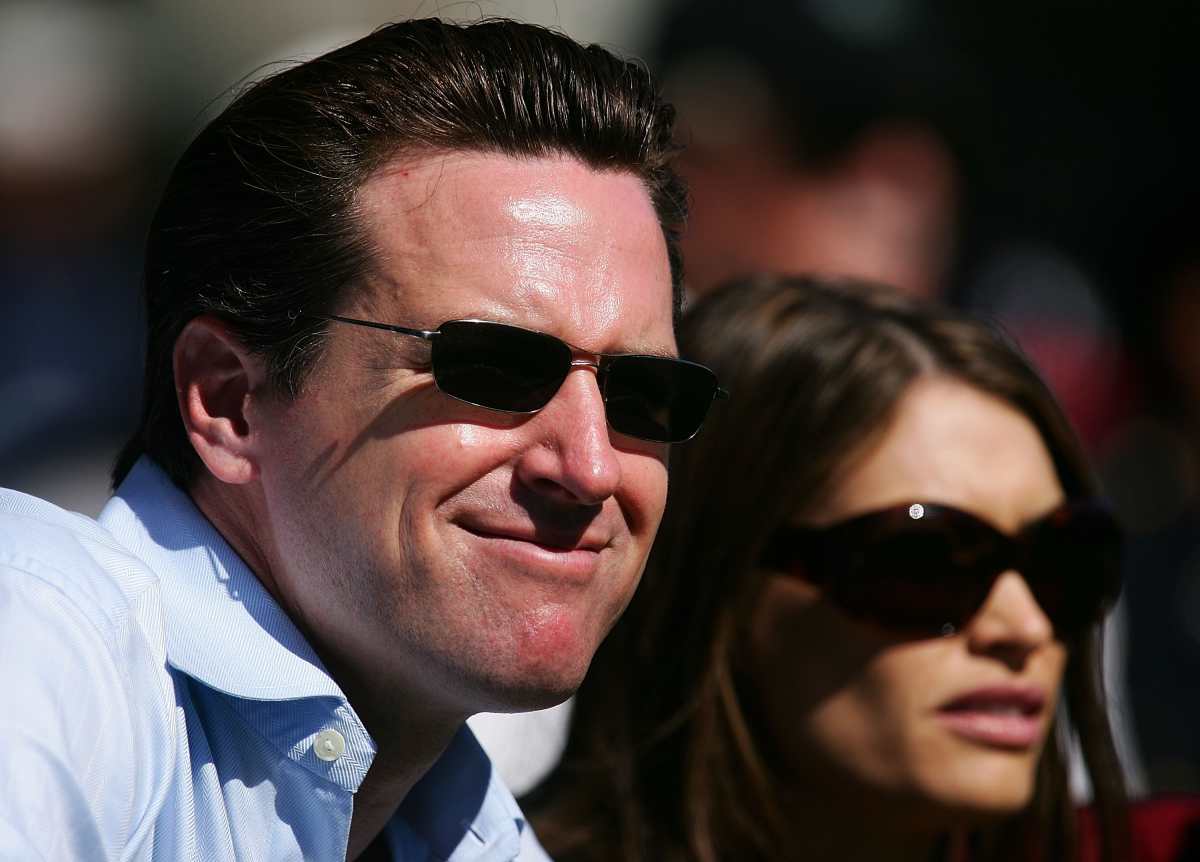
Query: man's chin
(534, 695)
(532, 688)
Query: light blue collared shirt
(156, 703)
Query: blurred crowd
(1032, 162)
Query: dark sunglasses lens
(657, 398)
(1076, 566)
(917, 574)
(497, 366)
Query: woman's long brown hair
(662, 761)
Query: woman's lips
(1003, 716)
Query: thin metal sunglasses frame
(595, 360)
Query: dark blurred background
(1032, 161)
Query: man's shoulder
(25, 519)
(65, 558)
(88, 703)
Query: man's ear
(215, 378)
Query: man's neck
(378, 798)
(232, 511)
(407, 746)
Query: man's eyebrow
(514, 318)
(665, 353)
(634, 349)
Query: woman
(882, 568)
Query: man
(354, 514)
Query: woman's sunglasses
(922, 567)
(515, 370)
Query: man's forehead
(548, 243)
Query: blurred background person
(810, 147)
(874, 633)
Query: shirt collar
(223, 627)
(461, 810)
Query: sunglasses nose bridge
(589, 360)
(583, 362)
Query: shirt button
(329, 745)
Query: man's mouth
(547, 538)
(558, 555)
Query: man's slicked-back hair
(257, 224)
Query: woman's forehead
(949, 442)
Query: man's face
(432, 547)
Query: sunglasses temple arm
(426, 334)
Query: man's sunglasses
(923, 567)
(515, 370)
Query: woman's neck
(824, 826)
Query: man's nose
(571, 457)
(1011, 624)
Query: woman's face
(857, 710)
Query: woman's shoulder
(1162, 828)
